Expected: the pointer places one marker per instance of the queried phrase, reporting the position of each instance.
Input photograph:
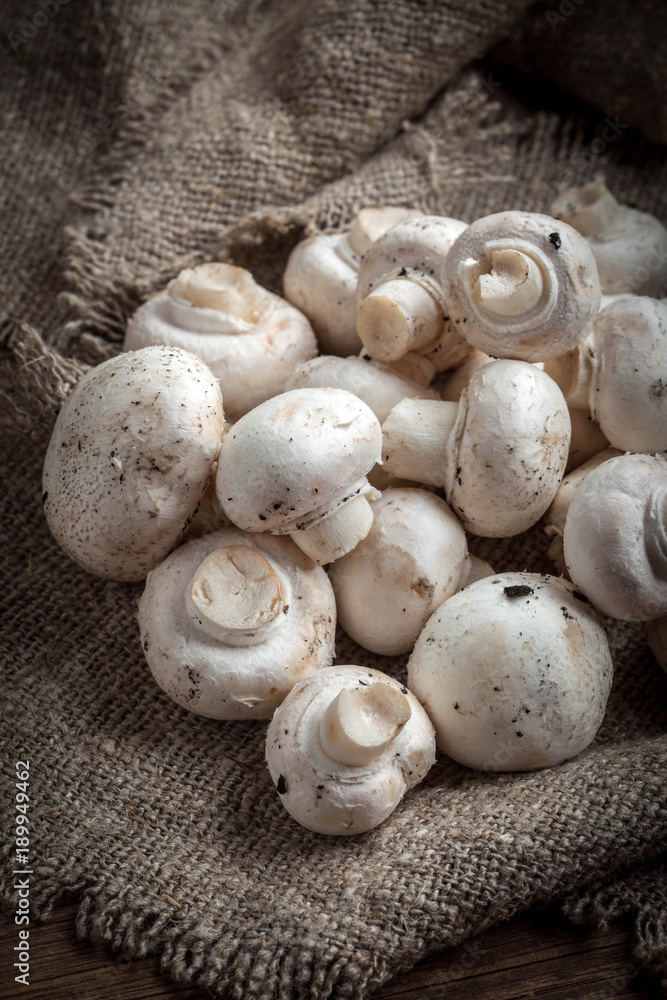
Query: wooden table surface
(538, 954)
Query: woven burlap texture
(241, 127)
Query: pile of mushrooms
(464, 370)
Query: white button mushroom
(499, 453)
(297, 465)
(586, 441)
(619, 373)
(130, 456)
(630, 246)
(344, 748)
(556, 515)
(230, 622)
(378, 386)
(401, 306)
(514, 672)
(521, 285)
(250, 339)
(322, 273)
(413, 558)
(615, 537)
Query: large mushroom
(414, 557)
(297, 465)
(344, 748)
(521, 285)
(499, 453)
(230, 622)
(250, 339)
(514, 672)
(130, 457)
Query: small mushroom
(230, 622)
(555, 517)
(401, 306)
(297, 465)
(378, 386)
(414, 557)
(344, 748)
(630, 246)
(618, 373)
(322, 273)
(615, 537)
(499, 453)
(250, 339)
(130, 457)
(521, 285)
(514, 672)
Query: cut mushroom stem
(398, 316)
(415, 440)
(512, 287)
(224, 288)
(237, 594)
(590, 209)
(360, 723)
(338, 533)
(573, 373)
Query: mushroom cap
(378, 386)
(325, 795)
(130, 456)
(221, 680)
(514, 672)
(630, 247)
(615, 537)
(297, 458)
(413, 558)
(628, 391)
(508, 448)
(252, 348)
(533, 313)
(322, 272)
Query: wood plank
(535, 955)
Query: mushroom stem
(238, 595)
(398, 316)
(512, 287)
(338, 533)
(360, 723)
(222, 288)
(415, 367)
(591, 209)
(415, 437)
(573, 373)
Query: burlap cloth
(141, 136)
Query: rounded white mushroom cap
(615, 537)
(130, 456)
(499, 454)
(656, 634)
(400, 302)
(322, 272)
(556, 515)
(630, 246)
(230, 622)
(413, 558)
(521, 285)
(514, 672)
(345, 746)
(296, 458)
(378, 386)
(250, 339)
